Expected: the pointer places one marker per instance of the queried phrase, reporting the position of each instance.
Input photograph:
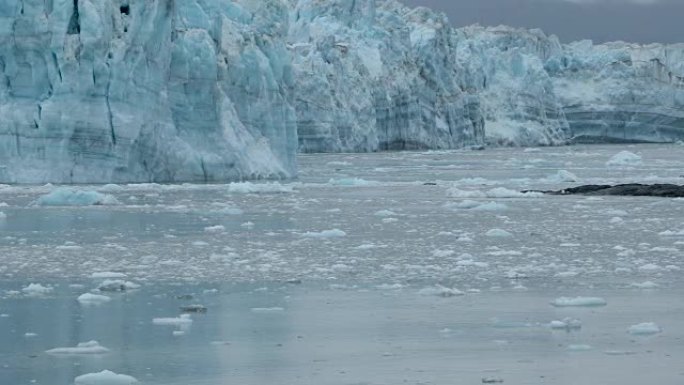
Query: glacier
(215, 90)
(145, 91)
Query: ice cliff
(145, 90)
(210, 90)
(538, 91)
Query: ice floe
(579, 302)
(65, 196)
(90, 347)
(644, 329)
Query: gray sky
(642, 21)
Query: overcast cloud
(642, 21)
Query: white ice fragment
(105, 377)
(334, 233)
(644, 329)
(90, 347)
(458, 193)
(645, 285)
(498, 233)
(440, 291)
(184, 319)
(267, 310)
(350, 182)
(491, 206)
(93, 299)
(36, 289)
(624, 158)
(30, 335)
(65, 196)
(117, 285)
(215, 229)
(2, 216)
(579, 302)
(566, 324)
(385, 213)
(579, 347)
(562, 176)
(259, 188)
(107, 275)
(650, 268)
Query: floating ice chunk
(334, 233)
(184, 319)
(259, 188)
(625, 158)
(178, 333)
(645, 285)
(350, 182)
(390, 286)
(671, 233)
(90, 347)
(616, 220)
(500, 233)
(501, 192)
(267, 310)
(107, 275)
(36, 289)
(215, 229)
(650, 268)
(579, 302)
(2, 216)
(562, 176)
(458, 193)
(117, 285)
(566, 324)
(385, 213)
(65, 196)
(644, 329)
(111, 188)
(579, 347)
(105, 377)
(440, 291)
(93, 299)
(491, 206)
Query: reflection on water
(315, 335)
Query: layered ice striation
(376, 75)
(145, 90)
(537, 91)
(212, 90)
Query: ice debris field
(430, 265)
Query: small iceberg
(644, 329)
(579, 302)
(65, 196)
(105, 377)
(90, 347)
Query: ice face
(375, 75)
(213, 90)
(144, 91)
(536, 91)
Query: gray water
(368, 307)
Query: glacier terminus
(214, 90)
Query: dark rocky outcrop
(632, 189)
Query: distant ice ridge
(145, 90)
